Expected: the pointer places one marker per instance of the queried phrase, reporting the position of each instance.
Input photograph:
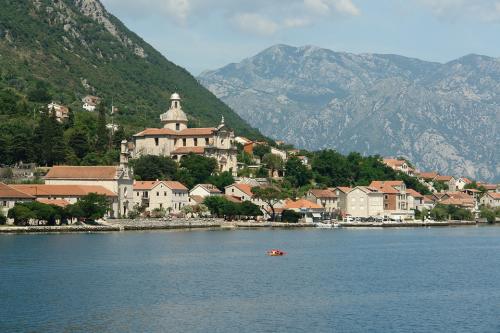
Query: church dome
(175, 113)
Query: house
(429, 202)
(459, 199)
(326, 198)
(461, 182)
(490, 187)
(361, 201)
(90, 102)
(118, 179)
(395, 199)
(60, 112)
(175, 139)
(170, 196)
(240, 191)
(428, 176)
(398, 165)
(491, 199)
(9, 196)
(205, 190)
(415, 199)
(63, 195)
(242, 140)
(449, 181)
(310, 211)
(279, 152)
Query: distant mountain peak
(442, 116)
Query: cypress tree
(102, 131)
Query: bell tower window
(177, 127)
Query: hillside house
(491, 199)
(60, 112)
(90, 102)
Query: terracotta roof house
(117, 179)
(327, 198)
(9, 196)
(428, 176)
(310, 211)
(491, 199)
(395, 197)
(164, 195)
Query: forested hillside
(64, 50)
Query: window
(161, 206)
(184, 142)
(386, 197)
(4, 203)
(157, 141)
(137, 193)
(165, 194)
(206, 141)
(157, 194)
(175, 142)
(177, 126)
(195, 142)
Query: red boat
(275, 253)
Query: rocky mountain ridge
(441, 116)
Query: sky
(208, 34)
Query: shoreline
(212, 224)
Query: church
(175, 139)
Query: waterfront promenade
(118, 225)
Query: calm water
(399, 280)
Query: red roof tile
(9, 192)
(63, 190)
(54, 202)
(413, 193)
(196, 131)
(156, 131)
(301, 203)
(82, 172)
(319, 193)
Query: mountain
(75, 47)
(441, 116)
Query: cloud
(261, 17)
(255, 23)
(482, 10)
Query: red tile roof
(344, 189)
(210, 188)
(187, 150)
(494, 195)
(301, 203)
(83, 172)
(413, 193)
(63, 190)
(232, 198)
(318, 193)
(428, 175)
(8, 192)
(245, 188)
(197, 198)
(393, 162)
(54, 202)
(150, 184)
(443, 178)
(386, 186)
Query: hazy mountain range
(441, 116)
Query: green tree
(3, 218)
(296, 172)
(39, 93)
(79, 142)
(215, 204)
(198, 169)
(273, 162)
(290, 216)
(270, 196)
(151, 167)
(222, 179)
(250, 209)
(261, 150)
(102, 140)
(21, 214)
(91, 207)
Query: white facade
(361, 202)
(161, 195)
(175, 139)
(205, 190)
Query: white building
(61, 112)
(491, 199)
(90, 102)
(170, 196)
(9, 196)
(360, 201)
(118, 179)
(205, 190)
(326, 198)
(175, 139)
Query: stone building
(175, 139)
(166, 195)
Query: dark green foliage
(196, 169)
(273, 162)
(219, 206)
(270, 196)
(440, 186)
(150, 167)
(331, 169)
(290, 216)
(245, 158)
(79, 142)
(444, 212)
(39, 93)
(49, 144)
(90, 207)
(21, 214)
(261, 172)
(3, 219)
(490, 214)
(103, 138)
(222, 180)
(261, 150)
(297, 173)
